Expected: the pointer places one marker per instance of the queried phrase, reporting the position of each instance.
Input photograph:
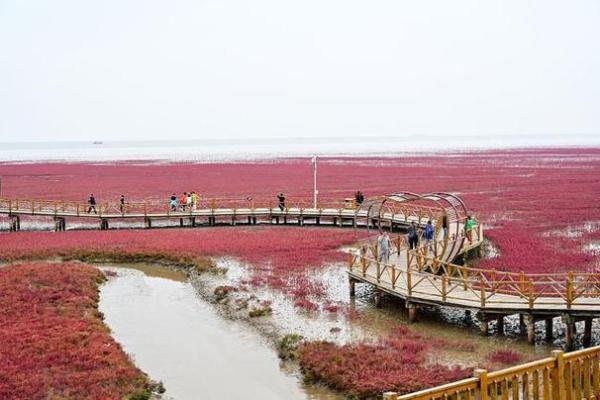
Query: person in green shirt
(469, 225)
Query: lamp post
(315, 191)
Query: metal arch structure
(439, 207)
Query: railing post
(390, 396)
(444, 287)
(145, 209)
(530, 294)
(409, 280)
(569, 294)
(558, 379)
(481, 374)
(481, 292)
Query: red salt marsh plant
(53, 344)
(365, 370)
(277, 257)
(504, 357)
(521, 194)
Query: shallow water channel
(177, 338)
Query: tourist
(383, 247)
(428, 235)
(92, 204)
(469, 225)
(413, 236)
(173, 202)
(281, 201)
(195, 199)
(183, 201)
(122, 204)
(359, 198)
(188, 201)
(444, 226)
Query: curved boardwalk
(420, 277)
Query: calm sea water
(247, 149)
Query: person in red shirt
(183, 201)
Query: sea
(267, 148)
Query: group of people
(187, 201)
(415, 234)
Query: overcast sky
(90, 70)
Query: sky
(226, 69)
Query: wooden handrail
(551, 378)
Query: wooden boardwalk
(424, 277)
(421, 276)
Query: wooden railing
(156, 205)
(564, 376)
(476, 287)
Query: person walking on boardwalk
(188, 200)
(122, 204)
(173, 202)
(195, 199)
(444, 227)
(281, 201)
(92, 204)
(428, 235)
(183, 201)
(383, 247)
(413, 236)
(469, 225)
(359, 198)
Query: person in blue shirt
(428, 235)
(413, 236)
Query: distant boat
(96, 142)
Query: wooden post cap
(390, 396)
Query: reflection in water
(180, 340)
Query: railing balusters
(586, 378)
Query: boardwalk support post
(587, 332)
(59, 224)
(483, 324)
(570, 331)
(377, 298)
(549, 329)
(148, 222)
(530, 323)
(412, 311)
(15, 223)
(500, 324)
(522, 326)
(467, 317)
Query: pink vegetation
(278, 257)
(396, 363)
(505, 357)
(528, 199)
(54, 345)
